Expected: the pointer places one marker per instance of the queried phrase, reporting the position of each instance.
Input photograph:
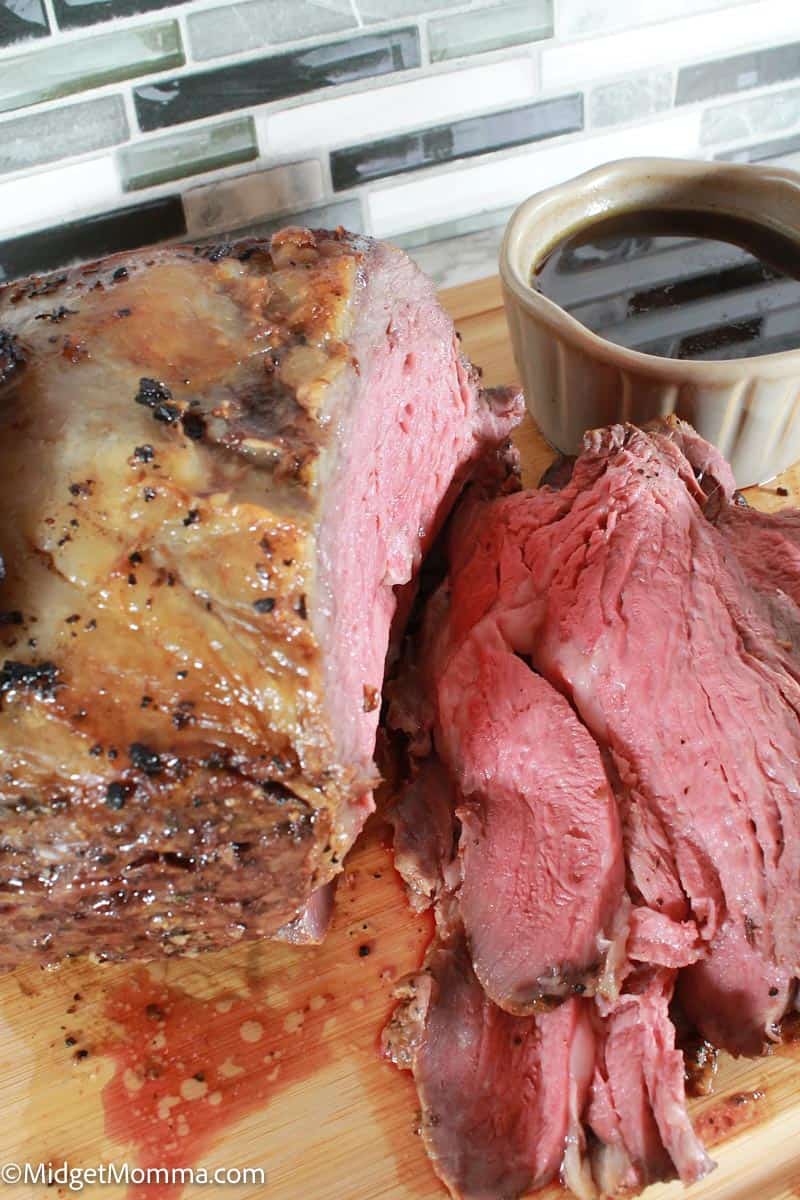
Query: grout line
(130, 113)
(49, 8)
(355, 10)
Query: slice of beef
(627, 591)
(312, 923)
(216, 467)
(637, 1108)
(541, 847)
(501, 1096)
(653, 937)
(425, 835)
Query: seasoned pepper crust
(160, 454)
(171, 777)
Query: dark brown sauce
(679, 284)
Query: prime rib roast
(601, 711)
(219, 469)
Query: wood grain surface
(266, 1056)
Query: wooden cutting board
(266, 1056)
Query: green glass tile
(459, 227)
(187, 153)
(38, 137)
(77, 65)
(235, 28)
(490, 29)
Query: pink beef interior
(416, 419)
(631, 639)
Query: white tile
(755, 117)
(577, 18)
(510, 179)
(254, 197)
(383, 110)
(38, 200)
(708, 36)
(630, 99)
(460, 259)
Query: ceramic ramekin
(575, 380)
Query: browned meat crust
(205, 507)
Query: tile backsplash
(126, 122)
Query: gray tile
(776, 148)
(755, 117)
(577, 18)
(260, 81)
(495, 218)
(75, 14)
(460, 259)
(757, 68)
(235, 28)
(630, 99)
(21, 19)
(346, 213)
(232, 203)
(45, 137)
(58, 70)
(490, 29)
(388, 10)
(188, 152)
(460, 139)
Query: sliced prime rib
(592, 1096)
(638, 605)
(542, 891)
(486, 834)
(637, 1104)
(640, 591)
(216, 467)
(501, 1096)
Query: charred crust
(215, 253)
(143, 454)
(56, 315)
(194, 425)
(39, 287)
(74, 352)
(83, 487)
(39, 678)
(156, 396)
(144, 759)
(12, 356)
(183, 714)
(116, 795)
